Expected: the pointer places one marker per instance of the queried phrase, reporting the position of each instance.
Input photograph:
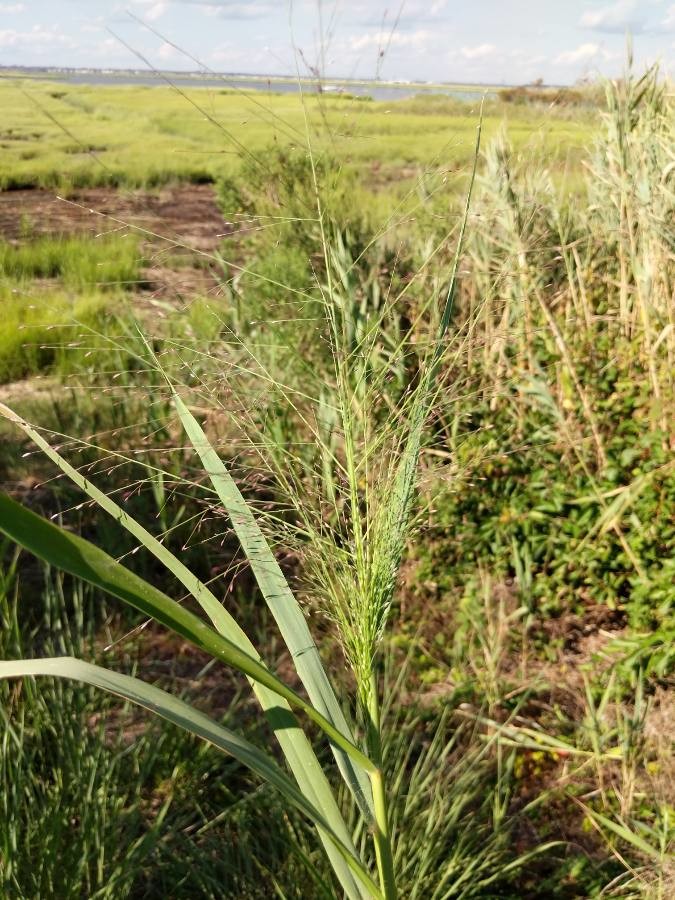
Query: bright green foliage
(52, 290)
(77, 263)
(543, 530)
(567, 432)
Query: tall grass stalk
(377, 539)
(343, 433)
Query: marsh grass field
(251, 321)
(60, 135)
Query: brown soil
(180, 228)
(184, 213)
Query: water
(375, 91)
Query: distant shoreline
(62, 73)
(364, 88)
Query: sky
(487, 41)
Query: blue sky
(508, 41)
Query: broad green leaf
(279, 598)
(297, 749)
(77, 556)
(185, 716)
(83, 559)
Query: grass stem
(382, 834)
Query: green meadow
(58, 135)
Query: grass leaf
(297, 749)
(85, 560)
(185, 716)
(279, 598)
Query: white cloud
(625, 15)
(233, 9)
(418, 8)
(108, 46)
(38, 38)
(479, 52)
(208, 9)
(156, 11)
(12, 7)
(167, 52)
(234, 55)
(669, 21)
(408, 14)
(584, 53)
(152, 9)
(416, 40)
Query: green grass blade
(216, 612)
(297, 749)
(85, 560)
(624, 832)
(185, 716)
(279, 598)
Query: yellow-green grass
(38, 329)
(49, 287)
(79, 262)
(59, 135)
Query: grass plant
(389, 371)
(376, 571)
(48, 284)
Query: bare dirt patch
(184, 213)
(180, 227)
